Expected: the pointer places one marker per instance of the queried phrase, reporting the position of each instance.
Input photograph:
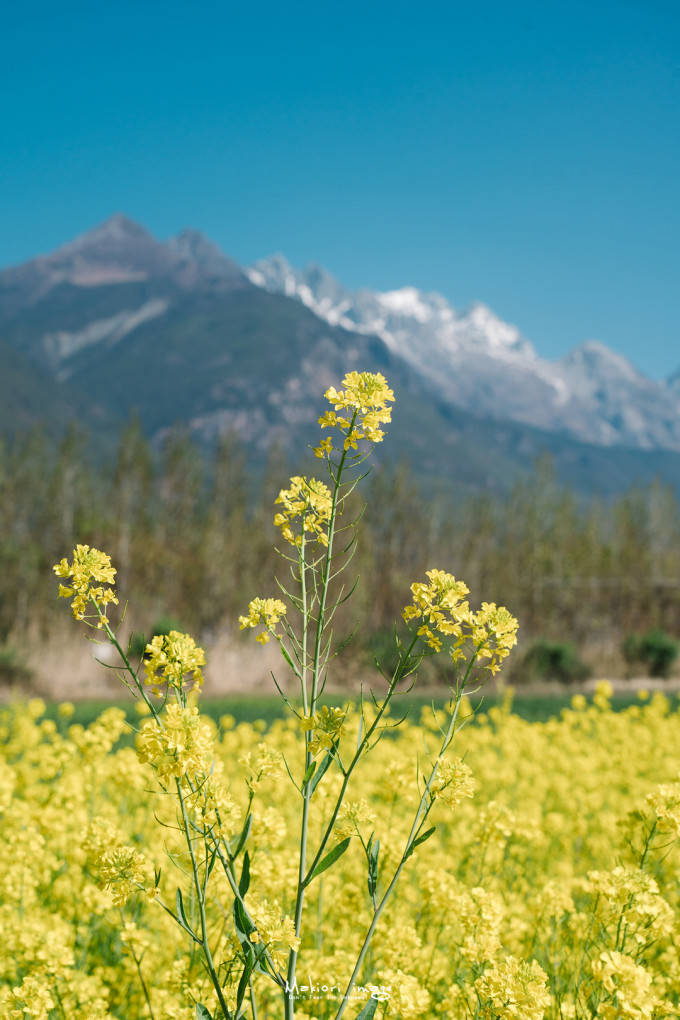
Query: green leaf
(372, 851)
(417, 841)
(245, 875)
(368, 1012)
(243, 983)
(330, 858)
(243, 925)
(320, 772)
(211, 864)
(236, 844)
(259, 956)
(202, 1013)
(179, 905)
(309, 773)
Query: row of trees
(191, 534)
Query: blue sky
(523, 154)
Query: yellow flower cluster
(352, 815)
(306, 503)
(326, 727)
(453, 782)
(267, 612)
(170, 658)
(89, 571)
(441, 605)
(629, 988)
(665, 803)
(494, 635)
(363, 407)
(181, 748)
(513, 988)
(530, 902)
(121, 870)
(259, 765)
(275, 930)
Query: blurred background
(210, 214)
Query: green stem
(423, 808)
(233, 884)
(138, 965)
(253, 1007)
(648, 843)
(397, 676)
(305, 621)
(320, 624)
(126, 662)
(201, 905)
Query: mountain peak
(117, 230)
(275, 274)
(200, 259)
(595, 357)
(121, 251)
(194, 243)
(406, 301)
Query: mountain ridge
(174, 331)
(479, 362)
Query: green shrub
(554, 660)
(656, 650)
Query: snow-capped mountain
(117, 321)
(479, 362)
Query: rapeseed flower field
(346, 861)
(549, 889)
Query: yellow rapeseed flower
(171, 658)
(182, 747)
(306, 506)
(453, 782)
(364, 401)
(267, 612)
(513, 990)
(89, 571)
(445, 615)
(325, 726)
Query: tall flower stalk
(255, 941)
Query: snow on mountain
(476, 360)
(117, 280)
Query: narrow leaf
(243, 983)
(236, 844)
(211, 864)
(330, 858)
(245, 875)
(320, 772)
(243, 926)
(373, 851)
(179, 905)
(202, 1012)
(416, 842)
(368, 1012)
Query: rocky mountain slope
(478, 362)
(117, 322)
